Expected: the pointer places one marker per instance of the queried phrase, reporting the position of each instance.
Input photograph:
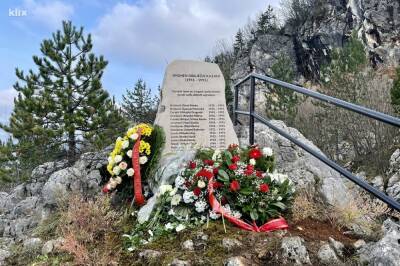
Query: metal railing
(322, 97)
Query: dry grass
(87, 227)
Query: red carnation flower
(233, 166)
(192, 165)
(105, 189)
(250, 167)
(234, 186)
(209, 162)
(205, 173)
(215, 171)
(248, 172)
(255, 153)
(196, 191)
(217, 185)
(187, 183)
(264, 188)
(235, 159)
(259, 174)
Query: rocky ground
(327, 226)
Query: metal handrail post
(251, 109)
(236, 105)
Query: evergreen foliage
(62, 107)
(138, 104)
(266, 22)
(395, 92)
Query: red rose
(250, 167)
(235, 159)
(259, 174)
(248, 172)
(217, 185)
(234, 186)
(192, 165)
(233, 166)
(255, 153)
(187, 183)
(196, 191)
(105, 189)
(205, 173)
(209, 162)
(264, 188)
(215, 171)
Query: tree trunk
(71, 147)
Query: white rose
(112, 183)
(201, 184)
(188, 197)
(129, 153)
(130, 172)
(123, 165)
(279, 198)
(164, 189)
(169, 226)
(125, 144)
(118, 179)
(176, 199)
(252, 162)
(200, 205)
(134, 136)
(180, 227)
(143, 160)
(116, 170)
(118, 158)
(267, 152)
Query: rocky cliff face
(375, 22)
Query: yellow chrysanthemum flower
(144, 147)
(145, 130)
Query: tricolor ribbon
(137, 179)
(272, 225)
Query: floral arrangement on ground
(239, 185)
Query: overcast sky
(138, 38)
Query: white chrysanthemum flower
(267, 152)
(278, 177)
(123, 165)
(279, 198)
(236, 214)
(110, 160)
(226, 208)
(173, 192)
(125, 144)
(118, 179)
(171, 212)
(200, 205)
(116, 170)
(201, 184)
(214, 215)
(118, 158)
(176, 199)
(143, 159)
(180, 227)
(179, 182)
(130, 172)
(216, 155)
(129, 153)
(188, 196)
(164, 189)
(169, 226)
(252, 162)
(134, 136)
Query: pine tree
(63, 105)
(7, 162)
(266, 22)
(138, 105)
(239, 43)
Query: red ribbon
(137, 179)
(272, 225)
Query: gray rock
(51, 246)
(393, 186)
(377, 182)
(230, 244)
(237, 261)
(5, 203)
(337, 246)
(302, 168)
(178, 262)
(43, 171)
(294, 251)
(4, 254)
(149, 255)
(359, 244)
(188, 245)
(32, 245)
(387, 250)
(327, 255)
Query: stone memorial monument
(193, 110)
